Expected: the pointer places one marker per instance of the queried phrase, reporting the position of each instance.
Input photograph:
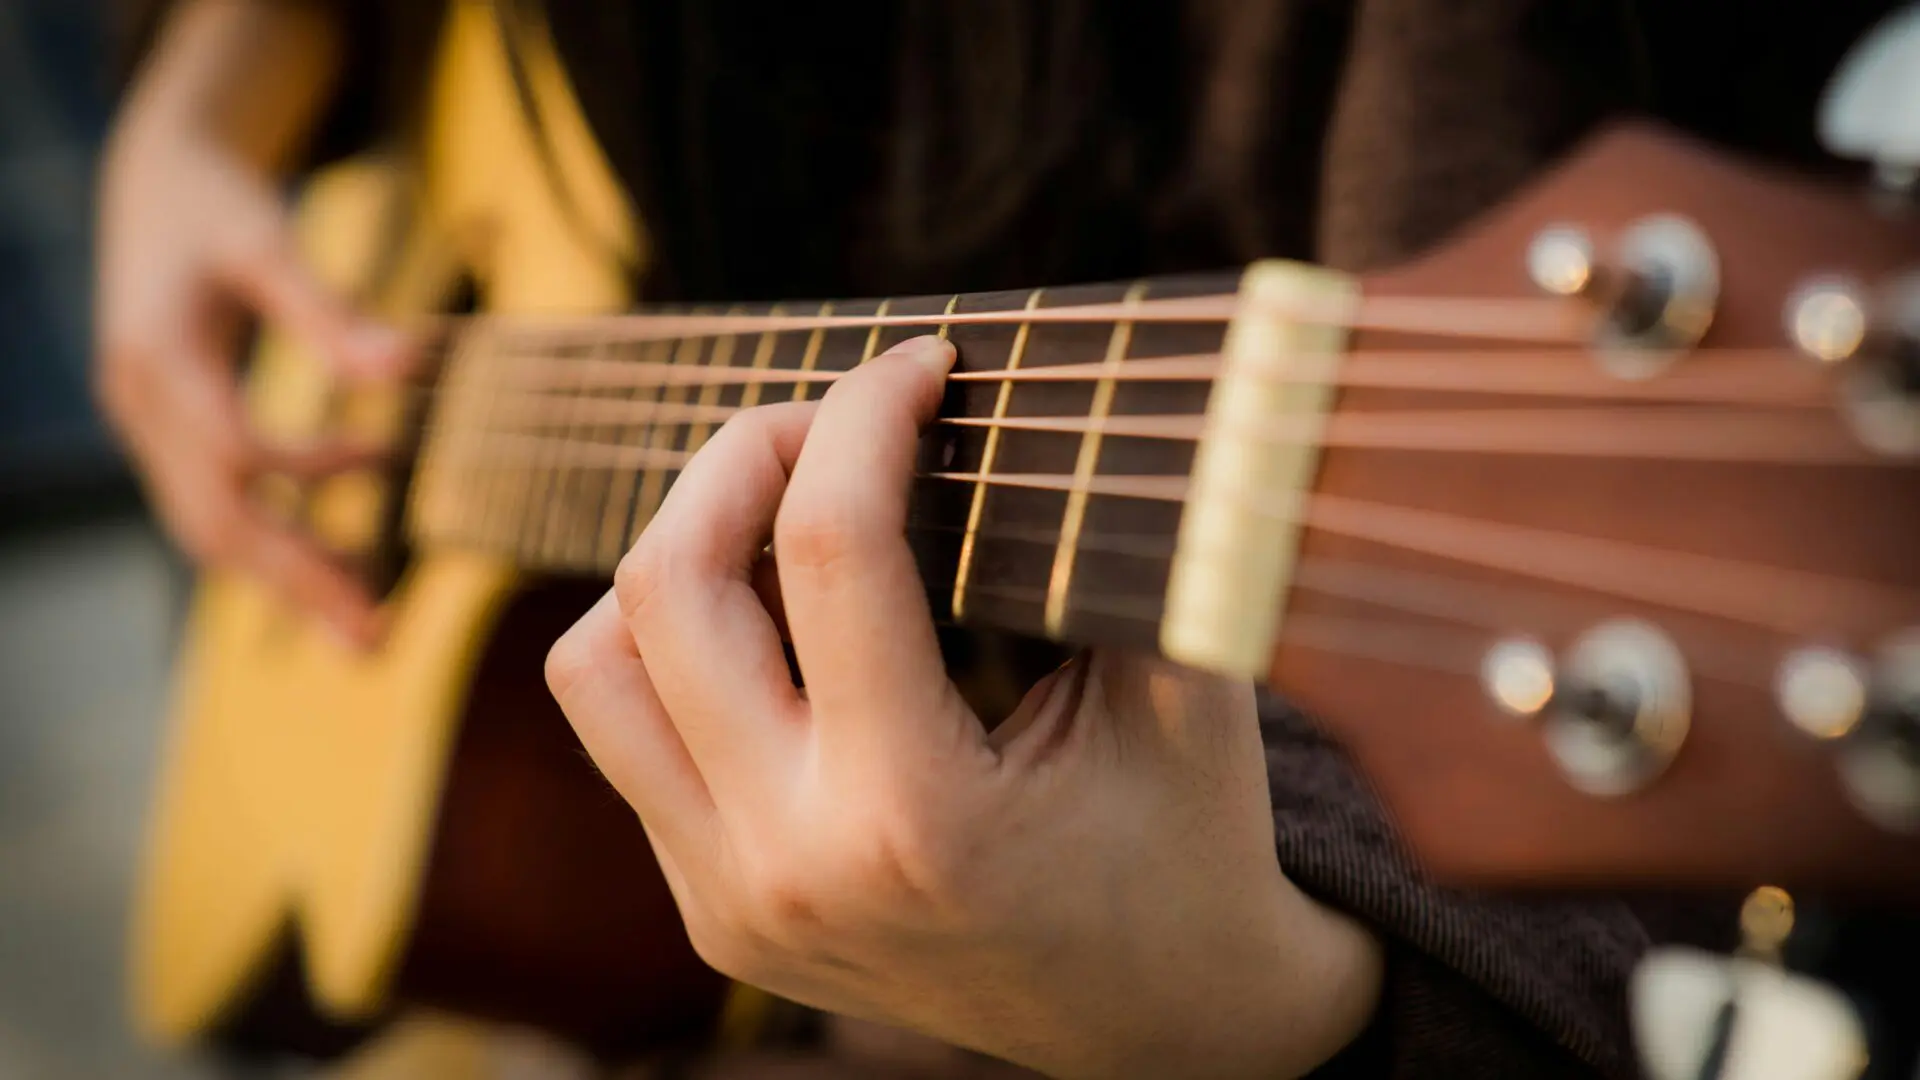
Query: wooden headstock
(1750, 509)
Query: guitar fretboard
(1045, 505)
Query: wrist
(1271, 1000)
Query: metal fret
(563, 484)
(978, 506)
(436, 504)
(873, 334)
(762, 356)
(536, 491)
(947, 328)
(614, 511)
(721, 358)
(497, 490)
(665, 435)
(812, 355)
(1061, 580)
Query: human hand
(192, 240)
(1090, 890)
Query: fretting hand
(1089, 890)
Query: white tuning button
(1762, 1022)
(1871, 110)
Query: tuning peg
(1656, 291)
(1880, 762)
(1692, 1009)
(1877, 336)
(1613, 711)
(1871, 109)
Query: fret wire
(653, 488)
(946, 328)
(634, 514)
(520, 513)
(611, 543)
(721, 358)
(979, 502)
(496, 507)
(812, 355)
(762, 356)
(588, 528)
(544, 492)
(563, 503)
(873, 335)
(1074, 517)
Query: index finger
(856, 606)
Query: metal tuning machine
(1871, 713)
(1877, 337)
(1614, 710)
(1656, 293)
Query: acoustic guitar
(1591, 534)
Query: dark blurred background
(55, 94)
(88, 594)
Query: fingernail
(929, 350)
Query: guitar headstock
(1642, 604)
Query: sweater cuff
(1470, 978)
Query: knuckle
(819, 538)
(788, 903)
(640, 578)
(567, 664)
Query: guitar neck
(1049, 499)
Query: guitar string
(1760, 376)
(646, 327)
(1693, 434)
(1767, 597)
(1531, 319)
(1707, 657)
(1490, 609)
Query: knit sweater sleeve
(1475, 985)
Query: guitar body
(416, 822)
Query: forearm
(253, 76)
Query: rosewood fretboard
(556, 455)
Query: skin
(1089, 890)
(193, 242)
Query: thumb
(270, 274)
